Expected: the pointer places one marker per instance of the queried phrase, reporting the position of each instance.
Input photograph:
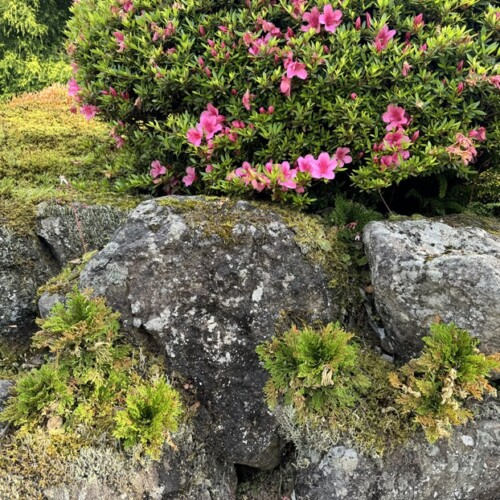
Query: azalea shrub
(291, 99)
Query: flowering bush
(281, 97)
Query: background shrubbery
(31, 37)
(153, 67)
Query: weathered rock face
(25, 264)
(70, 231)
(5, 386)
(465, 467)
(183, 474)
(425, 269)
(210, 281)
(27, 261)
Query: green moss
(41, 141)
(66, 280)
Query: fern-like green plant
(82, 334)
(315, 370)
(39, 394)
(151, 413)
(435, 387)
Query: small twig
(384, 202)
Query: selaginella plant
(280, 97)
(435, 387)
(93, 385)
(316, 370)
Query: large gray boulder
(465, 467)
(28, 260)
(210, 280)
(426, 270)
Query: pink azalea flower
(478, 134)
(190, 176)
(418, 21)
(368, 20)
(387, 160)
(286, 176)
(246, 100)
(286, 85)
(354, 96)
(127, 5)
(460, 65)
(415, 135)
(357, 24)
(195, 135)
(157, 169)
(324, 167)
(298, 69)
(460, 88)
(332, 19)
(383, 37)
(395, 139)
(213, 112)
(210, 125)
(423, 47)
(89, 111)
(313, 19)
(495, 80)
(209, 168)
(395, 117)
(73, 88)
(306, 164)
(406, 68)
(120, 40)
(342, 156)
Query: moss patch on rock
(43, 145)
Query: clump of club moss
(335, 389)
(434, 388)
(93, 388)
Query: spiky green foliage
(351, 217)
(316, 370)
(40, 394)
(169, 76)
(151, 413)
(89, 375)
(31, 34)
(435, 387)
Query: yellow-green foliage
(40, 141)
(434, 388)
(151, 413)
(316, 370)
(332, 387)
(91, 373)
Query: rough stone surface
(28, 261)
(209, 281)
(70, 231)
(423, 270)
(47, 301)
(25, 264)
(189, 472)
(5, 386)
(465, 467)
